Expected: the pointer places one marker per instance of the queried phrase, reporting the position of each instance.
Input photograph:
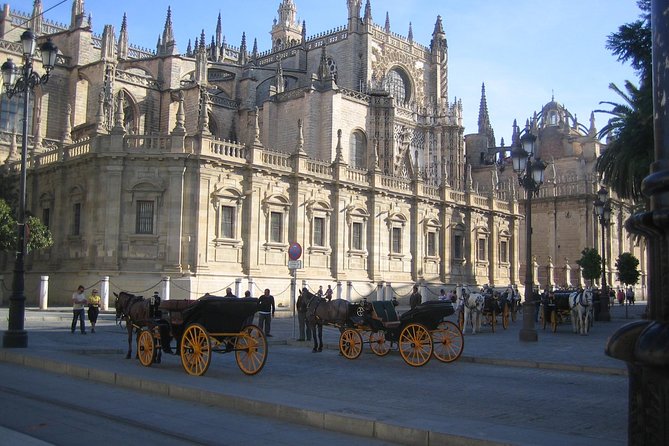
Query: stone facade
(205, 166)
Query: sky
(525, 51)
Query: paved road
(560, 390)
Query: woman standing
(93, 309)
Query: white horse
(472, 306)
(580, 303)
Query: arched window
(398, 85)
(358, 150)
(130, 116)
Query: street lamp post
(530, 172)
(603, 211)
(23, 80)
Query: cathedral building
(204, 167)
(564, 221)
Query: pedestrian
(249, 320)
(303, 326)
(630, 296)
(328, 293)
(442, 295)
(228, 292)
(415, 298)
(319, 293)
(266, 312)
(93, 308)
(78, 303)
(621, 296)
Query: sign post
(294, 253)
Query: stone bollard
(104, 293)
(166, 288)
(44, 292)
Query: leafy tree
(627, 266)
(591, 262)
(39, 237)
(629, 132)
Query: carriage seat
(384, 311)
(175, 307)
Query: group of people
(266, 309)
(622, 296)
(79, 304)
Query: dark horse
(320, 312)
(135, 310)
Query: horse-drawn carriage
(478, 308)
(201, 327)
(419, 333)
(569, 305)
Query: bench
(385, 312)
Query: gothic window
(553, 118)
(358, 150)
(318, 214)
(11, 113)
(431, 228)
(144, 217)
(130, 116)
(398, 85)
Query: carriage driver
(162, 323)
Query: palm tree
(629, 132)
(629, 152)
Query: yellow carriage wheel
(447, 342)
(378, 343)
(554, 320)
(146, 347)
(350, 344)
(415, 345)
(505, 316)
(251, 350)
(195, 350)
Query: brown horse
(135, 310)
(321, 311)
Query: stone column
(339, 290)
(567, 274)
(349, 290)
(238, 287)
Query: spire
(189, 49)
(280, 82)
(122, 48)
(254, 52)
(485, 128)
(438, 37)
(300, 138)
(108, 48)
(304, 32)
(212, 49)
(323, 69)
(78, 14)
(593, 129)
(387, 26)
(242, 51)
(410, 36)
(219, 31)
(201, 62)
(36, 20)
(368, 13)
(169, 44)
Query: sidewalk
(377, 397)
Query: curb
(333, 421)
